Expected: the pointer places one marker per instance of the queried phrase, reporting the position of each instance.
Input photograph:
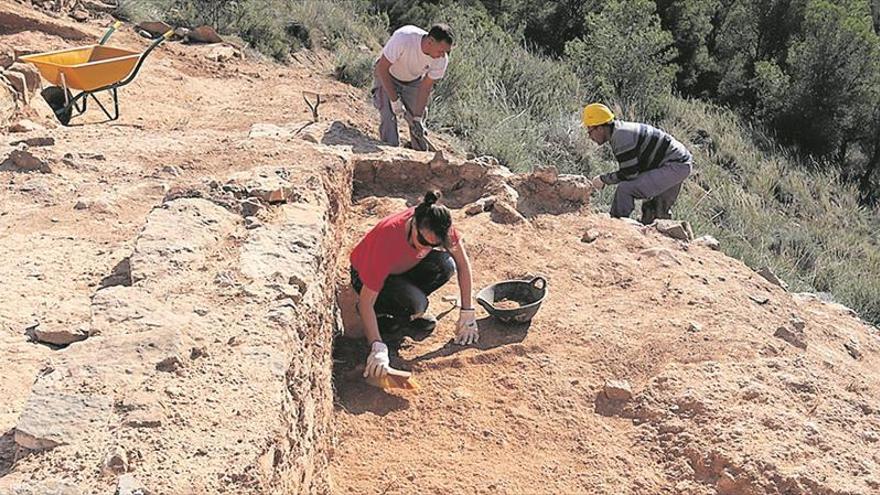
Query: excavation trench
(210, 345)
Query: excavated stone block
(7, 57)
(31, 75)
(574, 188)
(547, 174)
(176, 236)
(53, 417)
(19, 84)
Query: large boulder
(204, 34)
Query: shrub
(355, 67)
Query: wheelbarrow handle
(539, 283)
(485, 304)
(116, 25)
(156, 42)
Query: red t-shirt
(385, 250)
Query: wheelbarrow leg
(115, 105)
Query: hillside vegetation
(780, 110)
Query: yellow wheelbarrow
(90, 70)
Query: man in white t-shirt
(411, 61)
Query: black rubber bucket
(529, 294)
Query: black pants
(407, 294)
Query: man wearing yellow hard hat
(653, 164)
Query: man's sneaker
(424, 323)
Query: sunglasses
(424, 242)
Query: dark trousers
(407, 294)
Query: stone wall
(207, 368)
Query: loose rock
(35, 142)
(7, 56)
(709, 242)
(19, 84)
(116, 461)
(22, 160)
(505, 214)
(853, 348)
(675, 229)
(127, 484)
(590, 236)
(480, 205)
(149, 418)
(222, 53)
(80, 15)
(665, 256)
(32, 77)
(251, 223)
(25, 125)
(250, 207)
(793, 336)
(59, 334)
(618, 390)
(155, 28)
(771, 277)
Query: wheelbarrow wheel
(54, 97)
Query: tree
(625, 54)
(690, 23)
(835, 73)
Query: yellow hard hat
(597, 114)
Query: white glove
(378, 363)
(597, 183)
(397, 107)
(466, 331)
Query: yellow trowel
(395, 379)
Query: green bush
(625, 55)
(274, 27)
(355, 67)
(505, 100)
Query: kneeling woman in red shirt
(401, 261)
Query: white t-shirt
(408, 62)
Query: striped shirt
(639, 148)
